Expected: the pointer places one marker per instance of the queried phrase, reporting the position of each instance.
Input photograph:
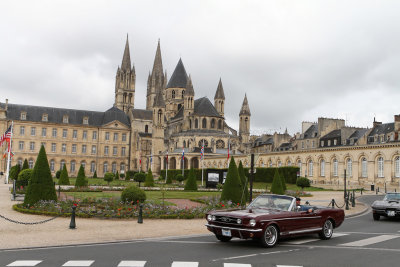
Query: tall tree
(41, 186)
(232, 189)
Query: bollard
(347, 203)
(333, 203)
(72, 224)
(385, 189)
(361, 190)
(376, 191)
(353, 200)
(14, 189)
(140, 217)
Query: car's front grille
(224, 219)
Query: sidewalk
(89, 230)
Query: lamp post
(345, 183)
(251, 176)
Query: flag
(6, 136)
(228, 150)
(167, 157)
(151, 158)
(183, 153)
(202, 152)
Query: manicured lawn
(100, 181)
(292, 187)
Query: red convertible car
(270, 217)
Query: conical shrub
(191, 184)
(149, 182)
(64, 180)
(283, 182)
(25, 165)
(232, 189)
(81, 179)
(41, 186)
(276, 187)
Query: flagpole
(202, 165)
(183, 162)
(9, 154)
(166, 173)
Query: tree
(95, 174)
(81, 178)
(58, 174)
(243, 180)
(179, 177)
(149, 179)
(232, 189)
(14, 171)
(283, 182)
(169, 179)
(25, 165)
(133, 194)
(139, 177)
(41, 186)
(191, 184)
(276, 187)
(303, 182)
(117, 176)
(64, 180)
(24, 177)
(129, 175)
(108, 177)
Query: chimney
(6, 104)
(377, 122)
(397, 123)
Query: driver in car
(301, 207)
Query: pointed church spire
(159, 101)
(219, 94)
(245, 110)
(157, 66)
(126, 59)
(189, 87)
(179, 76)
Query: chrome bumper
(234, 228)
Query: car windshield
(272, 202)
(392, 196)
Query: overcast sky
(296, 60)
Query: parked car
(270, 217)
(388, 207)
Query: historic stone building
(125, 138)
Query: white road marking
(131, 263)
(309, 239)
(252, 255)
(369, 241)
(78, 263)
(288, 266)
(236, 265)
(24, 263)
(184, 264)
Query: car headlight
(209, 217)
(252, 222)
(213, 218)
(238, 221)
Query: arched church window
(205, 143)
(190, 124)
(159, 115)
(146, 128)
(196, 123)
(220, 124)
(173, 93)
(204, 123)
(184, 143)
(183, 93)
(213, 123)
(220, 144)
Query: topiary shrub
(58, 174)
(139, 177)
(276, 187)
(191, 184)
(64, 180)
(282, 181)
(243, 181)
(95, 174)
(122, 175)
(24, 177)
(133, 194)
(25, 165)
(81, 179)
(116, 176)
(179, 178)
(108, 177)
(232, 189)
(14, 171)
(303, 182)
(169, 179)
(129, 175)
(41, 186)
(149, 179)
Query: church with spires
(126, 138)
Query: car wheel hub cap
(328, 228)
(270, 235)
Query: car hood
(382, 203)
(247, 213)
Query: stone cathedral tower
(219, 99)
(125, 82)
(156, 81)
(244, 121)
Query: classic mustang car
(270, 217)
(388, 207)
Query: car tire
(270, 236)
(223, 238)
(327, 230)
(376, 217)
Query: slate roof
(332, 134)
(311, 132)
(382, 129)
(219, 94)
(142, 114)
(55, 115)
(202, 107)
(262, 141)
(358, 133)
(179, 77)
(159, 101)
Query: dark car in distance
(388, 207)
(270, 217)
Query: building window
(73, 148)
(115, 136)
(146, 128)
(32, 146)
(107, 137)
(33, 131)
(92, 167)
(322, 168)
(196, 123)
(334, 142)
(397, 167)
(173, 93)
(64, 148)
(349, 168)
(83, 164)
(83, 149)
(54, 132)
(114, 167)
(44, 117)
(313, 143)
(105, 167)
(335, 168)
(115, 150)
(30, 163)
(300, 167)
(270, 164)
(65, 119)
(364, 168)
(20, 163)
(62, 163)
(123, 137)
(106, 150)
(85, 120)
(53, 147)
(380, 167)
(93, 149)
(310, 168)
(302, 145)
(220, 124)
(72, 167)
(329, 142)
(204, 123)
(279, 163)
(289, 163)
(52, 164)
(65, 133)
(94, 135)
(122, 168)
(23, 116)
(213, 123)
(322, 143)
(22, 130)
(44, 132)
(75, 134)
(123, 151)
(21, 145)
(43, 144)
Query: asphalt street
(360, 241)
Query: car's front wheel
(376, 217)
(327, 230)
(223, 238)
(269, 237)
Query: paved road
(360, 241)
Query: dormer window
(45, 117)
(65, 119)
(23, 115)
(85, 120)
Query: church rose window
(220, 144)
